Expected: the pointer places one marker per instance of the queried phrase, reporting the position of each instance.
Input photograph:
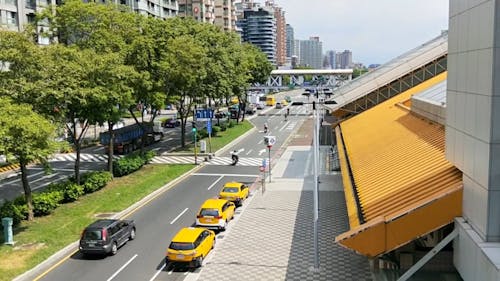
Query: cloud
(375, 31)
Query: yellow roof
(213, 203)
(402, 187)
(233, 184)
(187, 234)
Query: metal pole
(195, 149)
(269, 149)
(316, 187)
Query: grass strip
(39, 239)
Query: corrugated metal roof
(398, 165)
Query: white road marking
(156, 149)
(176, 218)
(260, 142)
(121, 268)
(249, 151)
(159, 271)
(262, 151)
(35, 174)
(97, 149)
(225, 175)
(170, 272)
(44, 178)
(284, 126)
(276, 128)
(186, 273)
(215, 182)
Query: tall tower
(311, 53)
(200, 10)
(290, 41)
(157, 9)
(259, 28)
(279, 15)
(225, 14)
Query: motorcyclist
(265, 128)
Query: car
(288, 99)
(284, 102)
(235, 192)
(279, 105)
(327, 91)
(190, 246)
(172, 123)
(105, 236)
(251, 108)
(215, 214)
(260, 106)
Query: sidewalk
(273, 238)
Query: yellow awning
(398, 184)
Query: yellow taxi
(235, 100)
(284, 102)
(215, 213)
(235, 192)
(191, 245)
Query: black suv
(106, 236)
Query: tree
(27, 137)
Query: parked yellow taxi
(235, 192)
(215, 213)
(191, 245)
(284, 102)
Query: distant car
(284, 103)
(172, 123)
(191, 245)
(260, 106)
(327, 91)
(279, 105)
(288, 99)
(235, 192)
(106, 236)
(215, 213)
(251, 109)
(221, 114)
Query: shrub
(16, 212)
(129, 164)
(94, 181)
(223, 127)
(231, 124)
(148, 156)
(72, 192)
(201, 134)
(44, 203)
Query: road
(159, 220)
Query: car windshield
(181, 246)
(92, 235)
(230, 189)
(209, 212)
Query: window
(92, 235)
(230, 189)
(181, 246)
(12, 18)
(209, 212)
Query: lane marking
(176, 218)
(45, 178)
(215, 182)
(225, 175)
(249, 151)
(32, 175)
(62, 169)
(276, 128)
(284, 126)
(260, 142)
(121, 268)
(54, 266)
(158, 272)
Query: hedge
(94, 181)
(131, 163)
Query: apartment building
(200, 10)
(225, 14)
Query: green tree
(27, 137)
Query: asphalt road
(159, 220)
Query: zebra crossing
(85, 157)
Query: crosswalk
(85, 157)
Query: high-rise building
(279, 15)
(200, 10)
(311, 53)
(225, 14)
(344, 59)
(159, 9)
(290, 41)
(16, 14)
(332, 59)
(259, 28)
(296, 51)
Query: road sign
(262, 169)
(209, 126)
(264, 163)
(270, 140)
(204, 114)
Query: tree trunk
(27, 189)
(111, 147)
(78, 149)
(183, 132)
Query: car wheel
(199, 261)
(224, 227)
(132, 234)
(213, 244)
(114, 249)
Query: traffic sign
(270, 140)
(209, 126)
(204, 114)
(262, 169)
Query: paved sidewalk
(273, 238)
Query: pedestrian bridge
(328, 77)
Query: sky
(374, 30)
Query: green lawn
(222, 138)
(37, 240)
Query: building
(311, 53)
(259, 28)
(290, 41)
(159, 9)
(200, 10)
(225, 14)
(344, 59)
(279, 15)
(332, 59)
(16, 14)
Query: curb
(40, 270)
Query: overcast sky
(374, 30)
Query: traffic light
(193, 124)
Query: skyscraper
(344, 59)
(332, 59)
(259, 28)
(200, 10)
(225, 14)
(311, 53)
(159, 9)
(279, 15)
(290, 41)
